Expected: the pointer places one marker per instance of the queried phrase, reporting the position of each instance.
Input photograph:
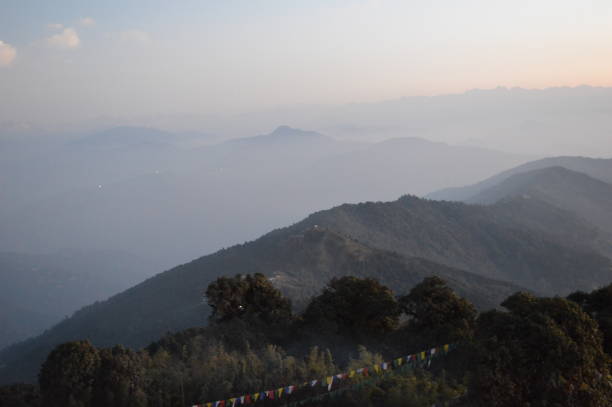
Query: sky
(76, 60)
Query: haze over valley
(350, 203)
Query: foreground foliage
(540, 352)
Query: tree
(19, 395)
(437, 314)
(66, 378)
(354, 307)
(543, 352)
(598, 304)
(251, 297)
(119, 379)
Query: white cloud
(67, 39)
(7, 54)
(55, 26)
(87, 22)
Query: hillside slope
(38, 290)
(484, 240)
(576, 192)
(300, 262)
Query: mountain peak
(284, 129)
(284, 134)
(287, 131)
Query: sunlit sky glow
(69, 60)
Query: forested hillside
(299, 264)
(397, 242)
(498, 242)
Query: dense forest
(537, 351)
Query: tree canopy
(542, 352)
(436, 313)
(67, 376)
(356, 307)
(598, 304)
(248, 297)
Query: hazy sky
(71, 60)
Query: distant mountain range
(598, 168)
(183, 200)
(553, 121)
(588, 197)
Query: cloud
(67, 39)
(87, 22)
(55, 26)
(7, 54)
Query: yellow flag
(399, 361)
(351, 373)
(280, 391)
(422, 355)
(446, 348)
(208, 404)
(377, 368)
(256, 396)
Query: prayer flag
(351, 374)
(313, 383)
(330, 381)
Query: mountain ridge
(397, 242)
(599, 168)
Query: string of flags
(420, 359)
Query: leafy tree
(251, 297)
(598, 304)
(543, 352)
(437, 314)
(67, 376)
(119, 379)
(355, 307)
(19, 395)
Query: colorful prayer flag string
(425, 357)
